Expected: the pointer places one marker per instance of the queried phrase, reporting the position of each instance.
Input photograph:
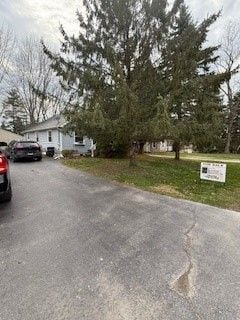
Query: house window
(49, 136)
(78, 139)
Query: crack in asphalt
(183, 284)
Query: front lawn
(168, 177)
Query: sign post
(213, 172)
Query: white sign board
(213, 171)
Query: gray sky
(42, 17)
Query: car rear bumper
(36, 155)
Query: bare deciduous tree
(229, 63)
(35, 81)
(7, 42)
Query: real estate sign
(213, 171)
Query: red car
(5, 182)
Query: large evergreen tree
(139, 70)
(191, 86)
(109, 70)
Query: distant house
(159, 146)
(164, 146)
(49, 134)
(8, 136)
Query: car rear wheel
(39, 159)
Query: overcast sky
(42, 17)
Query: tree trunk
(32, 118)
(141, 147)
(229, 129)
(228, 142)
(132, 156)
(177, 150)
(231, 117)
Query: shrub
(68, 153)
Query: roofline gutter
(37, 130)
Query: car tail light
(3, 164)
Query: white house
(165, 146)
(159, 146)
(49, 134)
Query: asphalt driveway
(77, 247)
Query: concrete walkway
(196, 158)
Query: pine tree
(112, 78)
(15, 118)
(139, 70)
(3, 125)
(191, 86)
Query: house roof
(7, 136)
(57, 121)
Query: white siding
(59, 141)
(160, 146)
(68, 143)
(43, 138)
(165, 146)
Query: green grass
(179, 179)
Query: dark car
(5, 182)
(23, 150)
